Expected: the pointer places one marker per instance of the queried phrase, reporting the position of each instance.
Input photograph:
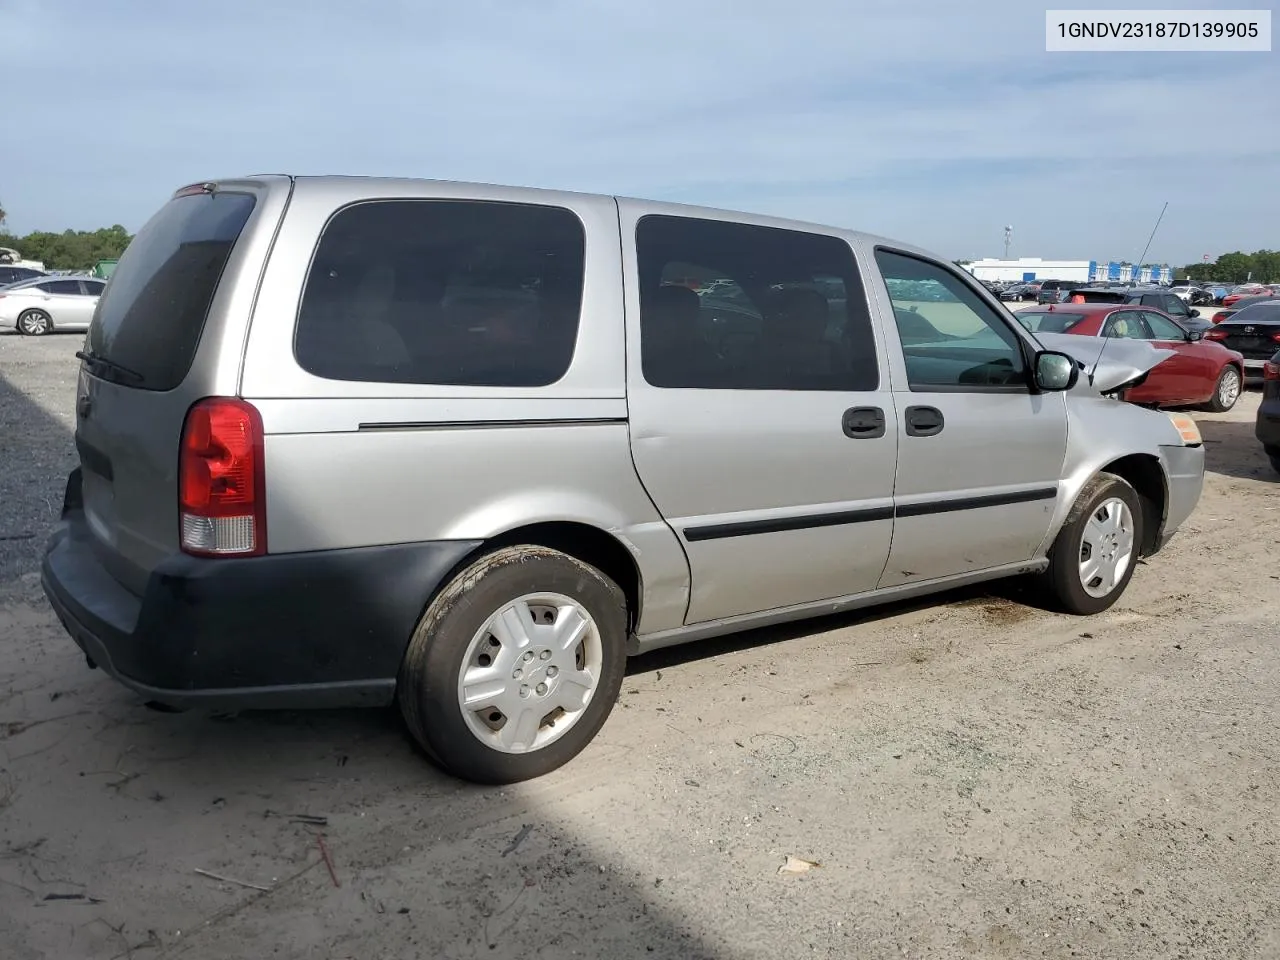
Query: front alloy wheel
(34, 323)
(1227, 390)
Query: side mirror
(1055, 371)
(1194, 335)
(1195, 313)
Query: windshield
(152, 312)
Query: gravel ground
(976, 777)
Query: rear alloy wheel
(516, 665)
(1227, 392)
(34, 323)
(1097, 550)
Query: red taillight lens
(221, 492)
(1271, 371)
(1215, 335)
(1276, 336)
(1220, 316)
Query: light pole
(1008, 239)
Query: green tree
(73, 249)
(1234, 267)
(1266, 266)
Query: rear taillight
(1271, 370)
(1215, 335)
(1221, 315)
(221, 490)
(1276, 336)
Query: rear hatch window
(148, 323)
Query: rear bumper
(323, 629)
(1267, 425)
(1253, 367)
(1184, 471)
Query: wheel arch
(582, 541)
(1143, 472)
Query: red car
(1202, 373)
(1246, 290)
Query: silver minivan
(353, 441)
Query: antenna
(1008, 239)
(1152, 237)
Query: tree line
(1261, 266)
(69, 250)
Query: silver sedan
(37, 307)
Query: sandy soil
(977, 778)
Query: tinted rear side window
(151, 315)
(733, 306)
(449, 292)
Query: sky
(930, 121)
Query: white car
(37, 307)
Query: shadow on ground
(1233, 450)
(110, 808)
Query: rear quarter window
(150, 317)
(447, 292)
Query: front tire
(1096, 552)
(515, 665)
(34, 323)
(1227, 390)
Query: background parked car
(1254, 332)
(1239, 305)
(1162, 299)
(1055, 291)
(10, 275)
(1201, 372)
(1244, 290)
(1267, 423)
(1188, 292)
(1020, 291)
(37, 307)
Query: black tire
(34, 323)
(1062, 578)
(1216, 403)
(427, 691)
(1275, 463)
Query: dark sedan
(1020, 291)
(1254, 332)
(1239, 305)
(1057, 291)
(1267, 426)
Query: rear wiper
(93, 359)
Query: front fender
(1100, 432)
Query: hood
(1107, 364)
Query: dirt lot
(977, 778)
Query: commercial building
(1088, 271)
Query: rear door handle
(924, 421)
(863, 423)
